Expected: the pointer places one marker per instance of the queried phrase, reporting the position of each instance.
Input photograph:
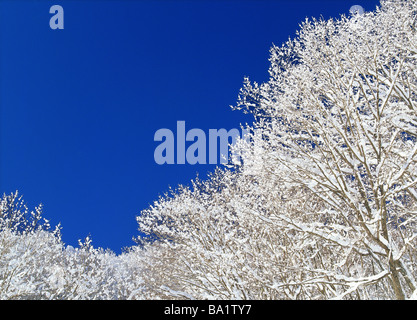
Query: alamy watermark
(173, 148)
(57, 20)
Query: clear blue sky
(79, 107)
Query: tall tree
(339, 115)
(324, 204)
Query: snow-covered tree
(27, 246)
(339, 115)
(324, 205)
(35, 263)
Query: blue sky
(79, 107)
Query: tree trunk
(394, 267)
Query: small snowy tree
(27, 247)
(35, 263)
